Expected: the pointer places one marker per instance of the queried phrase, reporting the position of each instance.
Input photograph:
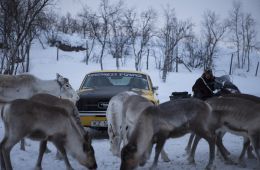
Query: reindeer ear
(58, 76)
(66, 80)
(61, 79)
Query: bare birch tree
(100, 24)
(235, 16)
(213, 30)
(118, 37)
(194, 52)
(19, 22)
(88, 26)
(141, 30)
(250, 38)
(170, 35)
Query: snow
(73, 40)
(71, 65)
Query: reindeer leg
(188, 147)
(211, 142)
(47, 150)
(164, 156)
(220, 137)
(193, 149)
(42, 149)
(255, 140)
(241, 160)
(158, 149)
(62, 150)
(6, 146)
(2, 163)
(22, 144)
(7, 159)
(58, 155)
(250, 154)
(221, 148)
(1, 155)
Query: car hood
(104, 92)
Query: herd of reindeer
(44, 110)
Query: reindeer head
(66, 91)
(129, 158)
(89, 154)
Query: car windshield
(104, 79)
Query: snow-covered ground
(70, 65)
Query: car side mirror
(155, 88)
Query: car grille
(92, 106)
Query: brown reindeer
(38, 121)
(239, 116)
(246, 140)
(222, 132)
(170, 119)
(66, 104)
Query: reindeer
(123, 112)
(38, 121)
(224, 86)
(246, 140)
(169, 119)
(237, 115)
(25, 86)
(223, 131)
(114, 115)
(64, 103)
(67, 104)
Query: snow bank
(70, 65)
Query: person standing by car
(202, 89)
(204, 86)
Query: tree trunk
(2, 64)
(177, 64)
(177, 59)
(101, 56)
(257, 68)
(165, 68)
(87, 52)
(28, 58)
(117, 62)
(147, 59)
(248, 60)
(230, 68)
(57, 58)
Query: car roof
(119, 71)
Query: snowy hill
(70, 65)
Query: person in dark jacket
(204, 86)
(202, 89)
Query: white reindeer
(25, 86)
(122, 114)
(114, 115)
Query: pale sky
(185, 9)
